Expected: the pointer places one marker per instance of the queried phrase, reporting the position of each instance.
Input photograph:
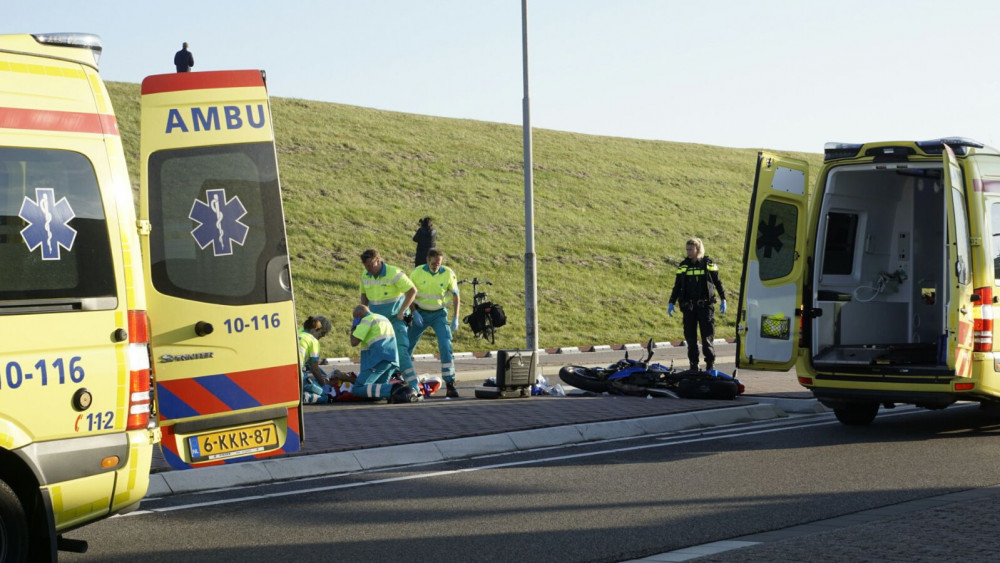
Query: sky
(783, 75)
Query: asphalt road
(599, 502)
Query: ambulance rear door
(773, 265)
(224, 347)
(960, 304)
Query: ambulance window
(838, 252)
(217, 222)
(775, 245)
(54, 244)
(995, 240)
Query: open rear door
(773, 267)
(224, 346)
(960, 306)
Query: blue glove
(454, 324)
(418, 319)
(722, 308)
(354, 325)
(670, 310)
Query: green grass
(611, 215)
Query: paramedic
(426, 238)
(386, 290)
(315, 385)
(379, 359)
(697, 287)
(436, 286)
(183, 59)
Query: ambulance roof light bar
(70, 39)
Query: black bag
(496, 315)
(477, 320)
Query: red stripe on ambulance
(201, 81)
(65, 121)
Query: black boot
(451, 391)
(403, 393)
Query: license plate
(232, 443)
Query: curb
(273, 470)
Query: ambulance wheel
(13, 526)
(857, 414)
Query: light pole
(530, 279)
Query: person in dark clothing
(183, 59)
(697, 288)
(426, 239)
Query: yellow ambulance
(879, 282)
(109, 321)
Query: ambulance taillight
(983, 319)
(139, 374)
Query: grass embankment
(611, 215)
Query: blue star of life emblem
(218, 222)
(48, 224)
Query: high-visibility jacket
(308, 349)
(696, 283)
(378, 340)
(434, 289)
(385, 291)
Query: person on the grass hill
(315, 385)
(379, 359)
(437, 285)
(426, 238)
(183, 59)
(697, 288)
(386, 290)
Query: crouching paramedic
(436, 286)
(315, 385)
(387, 291)
(695, 288)
(379, 359)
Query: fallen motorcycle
(641, 378)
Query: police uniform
(386, 294)
(379, 357)
(697, 288)
(434, 292)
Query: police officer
(436, 286)
(697, 288)
(387, 291)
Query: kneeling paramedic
(315, 385)
(695, 287)
(436, 286)
(379, 359)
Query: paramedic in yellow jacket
(387, 291)
(379, 359)
(437, 285)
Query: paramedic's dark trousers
(703, 319)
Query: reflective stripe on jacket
(434, 289)
(385, 291)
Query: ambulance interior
(880, 271)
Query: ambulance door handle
(963, 310)
(202, 328)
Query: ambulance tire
(856, 414)
(13, 526)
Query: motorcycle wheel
(699, 388)
(584, 378)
